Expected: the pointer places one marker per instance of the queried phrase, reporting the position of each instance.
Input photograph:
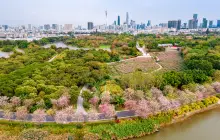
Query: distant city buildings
(119, 21)
(204, 23)
(174, 24)
(148, 23)
(47, 27)
(90, 25)
(193, 23)
(68, 28)
(127, 18)
(55, 27)
(218, 23)
(210, 23)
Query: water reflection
(204, 126)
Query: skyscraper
(29, 27)
(195, 16)
(193, 23)
(148, 23)
(119, 22)
(47, 27)
(55, 27)
(179, 24)
(127, 18)
(190, 24)
(210, 23)
(90, 25)
(204, 23)
(174, 24)
(218, 23)
(115, 22)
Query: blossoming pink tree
(16, 101)
(216, 86)
(3, 101)
(93, 115)
(130, 104)
(94, 101)
(39, 116)
(143, 109)
(22, 113)
(8, 115)
(164, 103)
(106, 97)
(107, 109)
(63, 101)
(65, 115)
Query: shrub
(33, 134)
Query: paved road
(121, 114)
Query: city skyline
(80, 12)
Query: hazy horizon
(79, 12)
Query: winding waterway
(203, 126)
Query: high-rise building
(204, 23)
(68, 27)
(184, 25)
(5, 27)
(148, 23)
(190, 24)
(218, 23)
(179, 24)
(29, 27)
(195, 16)
(55, 27)
(163, 25)
(174, 24)
(119, 21)
(193, 23)
(210, 23)
(90, 25)
(47, 27)
(127, 18)
(115, 22)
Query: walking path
(52, 58)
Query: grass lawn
(104, 46)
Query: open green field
(104, 46)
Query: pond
(204, 126)
(5, 54)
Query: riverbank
(128, 128)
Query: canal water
(203, 126)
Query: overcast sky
(79, 12)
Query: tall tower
(106, 16)
(119, 21)
(127, 18)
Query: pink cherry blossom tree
(39, 116)
(8, 115)
(130, 104)
(106, 97)
(15, 101)
(3, 101)
(63, 101)
(94, 101)
(28, 102)
(164, 103)
(216, 86)
(107, 109)
(64, 115)
(143, 109)
(22, 113)
(93, 115)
